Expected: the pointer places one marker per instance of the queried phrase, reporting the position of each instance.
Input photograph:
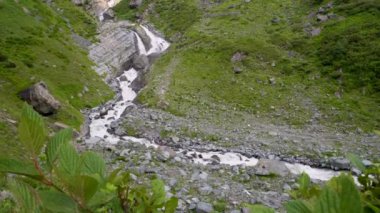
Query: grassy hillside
(287, 76)
(36, 44)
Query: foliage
(370, 181)
(64, 180)
(339, 195)
(306, 189)
(259, 208)
(36, 44)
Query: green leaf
(356, 162)
(297, 206)
(304, 182)
(159, 195)
(17, 167)
(259, 209)
(84, 186)
(31, 131)
(328, 202)
(54, 145)
(56, 201)
(171, 205)
(349, 195)
(69, 160)
(93, 164)
(25, 196)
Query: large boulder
(40, 98)
(140, 62)
(267, 167)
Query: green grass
(206, 38)
(35, 45)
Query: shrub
(54, 177)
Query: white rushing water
(99, 124)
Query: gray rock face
(116, 47)
(144, 37)
(40, 98)
(203, 207)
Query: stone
(135, 3)
(237, 70)
(165, 153)
(245, 210)
(199, 175)
(140, 62)
(109, 14)
(40, 98)
(267, 167)
(367, 163)
(272, 133)
(203, 207)
(340, 163)
(78, 2)
(175, 139)
(322, 18)
(238, 57)
(272, 80)
(123, 78)
(315, 31)
(276, 20)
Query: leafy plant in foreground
(370, 181)
(54, 177)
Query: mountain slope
(287, 76)
(36, 44)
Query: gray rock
(135, 3)
(205, 190)
(203, 207)
(238, 57)
(340, 163)
(276, 20)
(322, 18)
(109, 14)
(123, 78)
(266, 167)
(140, 62)
(245, 210)
(315, 31)
(367, 163)
(40, 98)
(78, 2)
(237, 70)
(199, 175)
(165, 153)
